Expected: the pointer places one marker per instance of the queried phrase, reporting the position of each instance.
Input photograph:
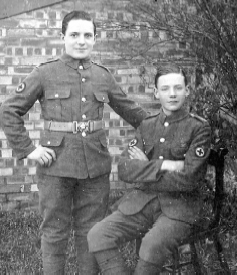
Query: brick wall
(33, 37)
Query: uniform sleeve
(16, 106)
(129, 110)
(149, 172)
(138, 171)
(195, 165)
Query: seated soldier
(167, 161)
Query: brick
(39, 14)
(22, 70)
(3, 70)
(20, 32)
(32, 170)
(15, 179)
(6, 153)
(6, 171)
(113, 115)
(4, 144)
(5, 80)
(34, 134)
(2, 163)
(15, 80)
(2, 135)
(114, 150)
(34, 116)
(38, 51)
(10, 162)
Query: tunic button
(48, 142)
(56, 95)
(83, 99)
(83, 116)
(83, 134)
(81, 67)
(162, 140)
(166, 124)
(161, 157)
(83, 79)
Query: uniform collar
(176, 116)
(75, 63)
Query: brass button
(83, 99)
(83, 79)
(56, 95)
(48, 142)
(162, 140)
(81, 67)
(83, 134)
(83, 116)
(166, 124)
(161, 157)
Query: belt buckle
(81, 126)
(84, 126)
(74, 127)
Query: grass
(20, 247)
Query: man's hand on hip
(43, 155)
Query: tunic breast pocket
(179, 153)
(101, 98)
(58, 104)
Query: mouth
(80, 50)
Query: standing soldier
(167, 162)
(73, 160)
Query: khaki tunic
(181, 136)
(68, 90)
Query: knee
(100, 238)
(157, 250)
(93, 235)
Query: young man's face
(79, 38)
(171, 91)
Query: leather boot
(146, 268)
(111, 262)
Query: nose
(80, 40)
(172, 92)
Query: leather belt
(74, 127)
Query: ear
(187, 88)
(95, 38)
(62, 35)
(156, 93)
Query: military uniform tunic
(163, 205)
(181, 136)
(68, 90)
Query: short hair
(169, 69)
(76, 15)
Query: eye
(74, 35)
(88, 35)
(179, 88)
(165, 88)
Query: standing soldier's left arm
(129, 110)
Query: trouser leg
(161, 241)
(55, 200)
(90, 203)
(115, 229)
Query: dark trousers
(64, 202)
(161, 237)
